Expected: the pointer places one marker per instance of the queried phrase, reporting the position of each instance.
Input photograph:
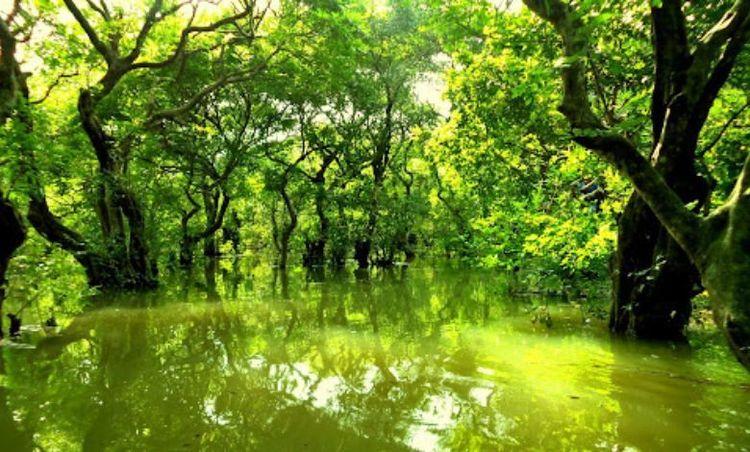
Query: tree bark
(362, 253)
(230, 231)
(211, 206)
(724, 263)
(13, 235)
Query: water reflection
(242, 358)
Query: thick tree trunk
(410, 246)
(315, 255)
(654, 280)
(13, 235)
(127, 257)
(209, 272)
(724, 262)
(210, 247)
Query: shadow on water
(243, 357)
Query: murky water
(425, 358)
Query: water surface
(426, 358)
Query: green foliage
(332, 110)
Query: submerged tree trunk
(211, 206)
(654, 280)
(215, 214)
(13, 91)
(282, 238)
(362, 253)
(379, 164)
(407, 243)
(13, 235)
(315, 252)
(409, 246)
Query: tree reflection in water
(421, 358)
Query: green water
(422, 358)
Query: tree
(208, 152)
(394, 54)
(123, 258)
(717, 243)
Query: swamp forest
(346, 225)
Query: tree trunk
(724, 262)
(654, 280)
(315, 252)
(315, 255)
(13, 235)
(230, 232)
(211, 205)
(128, 261)
(410, 247)
(287, 230)
(340, 246)
(362, 253)
(379, 164)
(187, 252)
(283, 251)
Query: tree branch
(173, 113)
(724, 128)
(52, 86)
(98, 44)
(185, 38)
(101, 9)
(218, 221)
